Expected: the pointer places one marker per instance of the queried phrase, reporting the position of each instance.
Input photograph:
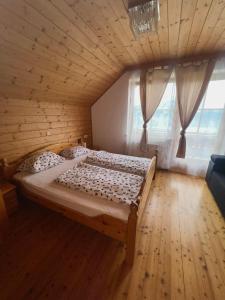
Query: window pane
(168, 98)
(209, 115)
(193, 127)
(210, 121)
(203, 130)
(137, 117)
(162, 118)
(215, 95)
(199, 146)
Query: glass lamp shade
(144, 16)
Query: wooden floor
(180, 251)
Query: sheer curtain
(206, 133)
(204, 136)
(191, 82)
(153, 83)
(160, 127)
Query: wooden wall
(26, 125)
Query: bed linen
(129, 164)
(44, 185)
(112, 185)
(74, 152)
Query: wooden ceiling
(73, 50)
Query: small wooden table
(9, 196)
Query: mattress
(43, 184)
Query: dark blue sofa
(215, 179)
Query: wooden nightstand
(9, 196)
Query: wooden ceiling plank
(61, 41)
(73, 50)
(34, 88)
(102, 32)
(215, 12)
(32, 61)
(220, 44)
(102, 28)
(47, 9)
(187, 16)
(45, 82)
(174, 14)
(216, 34)
(146, 48)
(74, 18)
(58, 47)
(38, 49)
(16, 54)
(200, 15)
(47, 77)
(92, 94)
(163, 31)
(18, 59)
(39, 59)
(154, 44)
(56, 17)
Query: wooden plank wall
(26, 125)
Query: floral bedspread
(125, 163)
(113, 185)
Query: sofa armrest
(219, 163)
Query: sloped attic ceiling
(73, 50)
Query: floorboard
(180, 251)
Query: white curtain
(160, 127)
(134, 116)
(191, 82)
(206, 133)
(204, 136)
(153, 83)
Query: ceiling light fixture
(144, 15)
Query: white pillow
(74, 152)
(40, 162)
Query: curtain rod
(168, 62)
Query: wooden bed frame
(108, 225)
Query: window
(162, 120)
(204, 128)
(209, 115)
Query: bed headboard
(8, 169)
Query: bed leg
(131, 234)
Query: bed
(112, 219)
